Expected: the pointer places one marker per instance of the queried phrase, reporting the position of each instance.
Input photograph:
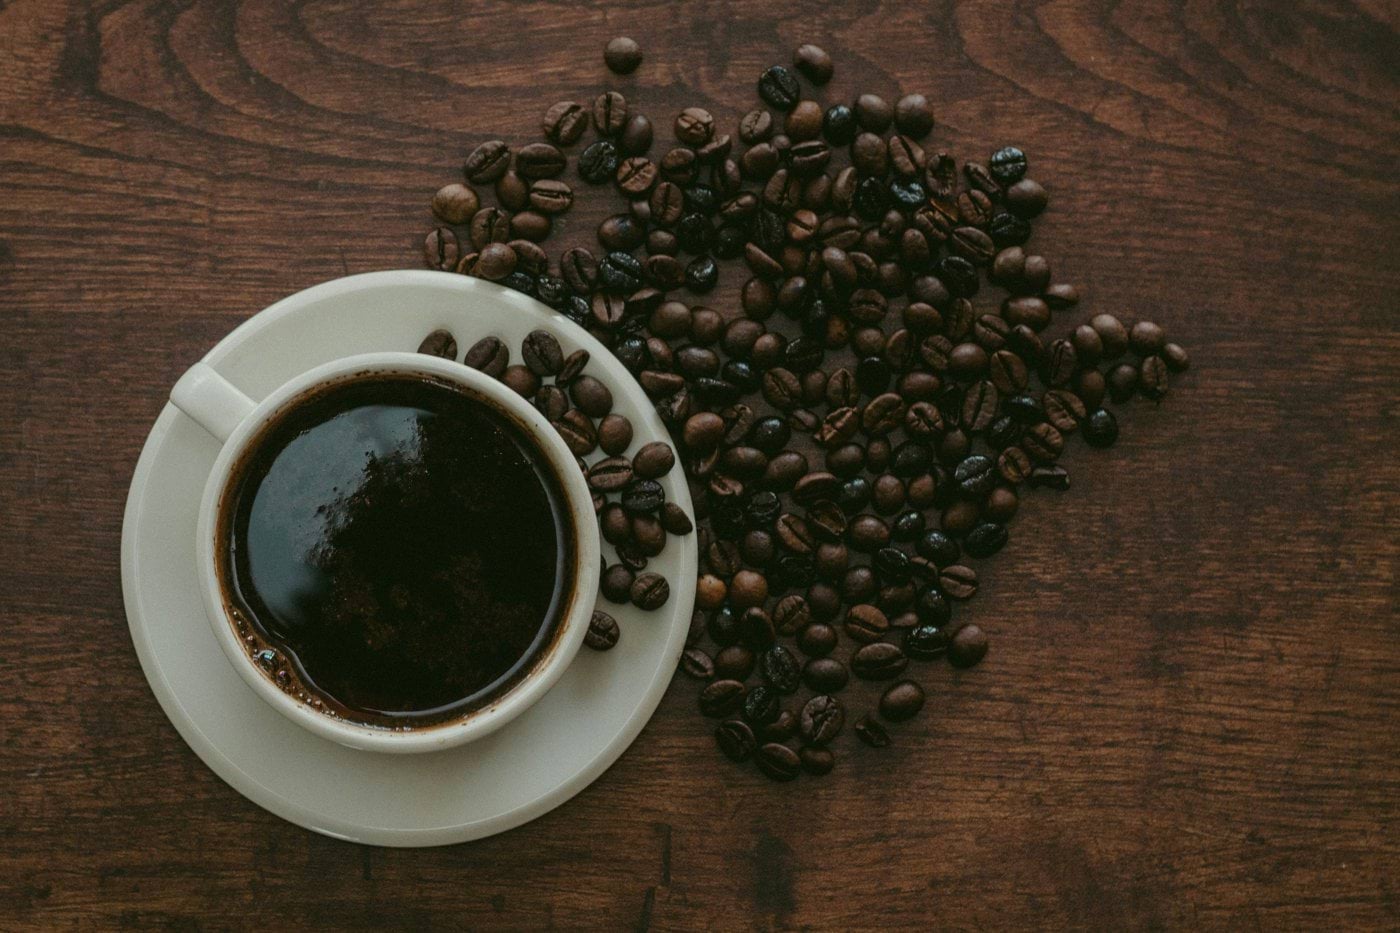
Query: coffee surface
(405, 545)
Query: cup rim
(476, 723)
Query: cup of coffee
(397, 552)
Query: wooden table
(1189, 716)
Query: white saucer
(553, 751)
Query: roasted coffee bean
(975, 476)
(696, 663)
(747, 589)
(735, 739)
(622, 55)
(762, 705)
(439, 343)
(489, 355)
(1152, 378)
(784, 470)
(520, 380)
(969, 646)
(1063, 409)
(878, 661)
(609, 113)
(902, 701)
(441, 249)
(925, 642)
(650, 590)
(721, 698)
(1101, 428)
(866, 623)
(487, 162)
(821, 719)
(777, 761)
(874, 113)
(958, 582)
(643, 496)
(590, 396)
(616, 583)
(1001, 505)
(817, 640)
(870, 732)
(932, 606)
(1042, 442)
(979, 406)
(1049, 477)
(779, 88)
(565, 122)
(780, 670)
(825, 675)
(985, 539)
(1176, 357)
(598, 162)
(892, 564)
(602, 631)
(938, 547)
(455, 204)
(735, 662)
(755, 127)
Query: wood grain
(1188, 717)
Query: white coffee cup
(236, 420)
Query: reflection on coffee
(403, 546)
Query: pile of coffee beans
(633, 513)
(859, 421)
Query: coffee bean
(1176, 358)
(614, 434)
(985, 539)
(866, 623)
(1101, 428)
(441, 249)
(1152, 378)
(643, 496)
(747, 589)
(791, 614)
(873, 113)
(603, 631)
(762, 705)
(1122, 382)
(489, 225)
(650, 591)
(780, 670)
(913, 114)
(872, 733)
(520, 380)
(609, 113)
(779, 88)
(696, 663)
(1063, 409)
(735, 739)
(610, 475)
(902, 701)
(816, 639)
(825, 675)
(455, 204)
(622, 55)
(653, 460)
(565, 122)
(925, 642)
(780, 729)
(778, 762)
(1014, 465)
(439, 343)
(969, 646)
(979, 406)
(721, 698)
(735, 662)
(487, 162)
(958, 582)
(598, 162)
(591, 396)
(814, 63)
(616, 583)
(878, 661)
(1042, 442)
(1049, 477)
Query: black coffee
(403, 550)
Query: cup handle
(211, 400)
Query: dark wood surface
(1189, 715)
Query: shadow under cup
(396, 550)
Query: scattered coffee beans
(857, 425)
